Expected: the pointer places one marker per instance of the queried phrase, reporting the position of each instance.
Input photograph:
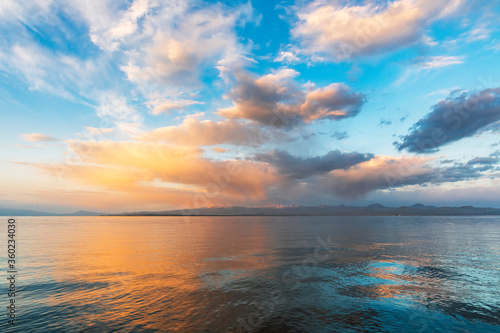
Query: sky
(135, 105)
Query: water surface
(257, 274)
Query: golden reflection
(404, 284)
(117, 267)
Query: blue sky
(150, 105)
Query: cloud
(330, 31)
(300, 168)
(385, 122)
(116, 108)
(336, 101)
(459, 116)
(29, 147)
(195, 132)
(485, 163)
(276, 100)
(340, 135)
(385, 172)
(483, 160)
(135, 166)
(380, 172)
(287, 57)
(162, 47)
(47, 71)
(178, 40)
(36, 137)
(439, 61)
(220, 150)
(181, 176)
(98, 131)
(478, 33)
(168, 105)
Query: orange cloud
(178, 174)
(379, 173)
(195, 132)
(36, 137)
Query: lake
(256, 274)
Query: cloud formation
(300, 168)
(459, 116)
(384, 172)
(329, 30)
(166, 106)
(439, 61)
(195, 132)
(340, 135)
(179, 39)
(36, 137)
(277, 100)
(130, 166)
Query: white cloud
(440, 61)
(286, 57)
(115, 107)
(334, 32)
(480, 32)
(167, 105)
(49, 72)
(98, 131)
(177, 42)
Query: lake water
(256, 274)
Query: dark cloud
(340, 135)
(483, 160)
(277, 100)
(300, 168)
(459, 116)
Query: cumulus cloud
(298, 167)
(180, 175)
(126, 166)
(329, 30)
(36, 137)
(162, 47)
(276, 100)
(286, 57)
(177, 41)
(459, 116)
(197, 132)
(384, 172)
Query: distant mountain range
(295, 210)
(325, 210)
(28, 212)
